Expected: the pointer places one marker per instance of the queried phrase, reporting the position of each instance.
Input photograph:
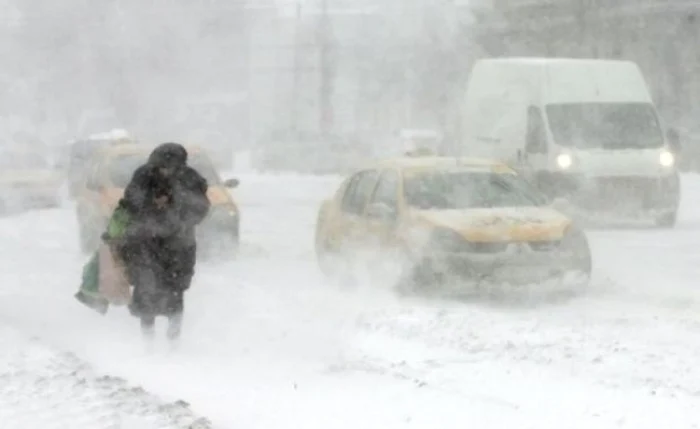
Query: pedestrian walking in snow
(166, 199)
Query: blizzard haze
(306, 325)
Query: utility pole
(294, 116)
(327, 73)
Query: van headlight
(565, 161)
(666, 159)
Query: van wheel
(667, 220)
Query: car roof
(416, 163)
(137, 149)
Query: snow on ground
(43, 388)
(269, 344)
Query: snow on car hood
(500, 224)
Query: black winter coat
(159, 248)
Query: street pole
(327, 73)
(296, 72)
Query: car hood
(500, 224)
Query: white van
(585, 130)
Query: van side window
(536, 137)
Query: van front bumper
(620, 194)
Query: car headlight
(565, 161)
(666, 159)
(447, 240)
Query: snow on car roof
(134, 148)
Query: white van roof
(563, 80)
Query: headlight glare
(666, 159)
(565, 161)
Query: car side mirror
(381, 211)
(231, 183)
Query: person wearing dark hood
(165, 199)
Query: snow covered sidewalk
(44, 388)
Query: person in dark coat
(166, 200)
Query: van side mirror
(674, 140)
(231, 183)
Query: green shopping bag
(89, 292)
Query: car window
(93, 180)
(203, 165)
(121, 168)
(349, 193)
(358, 192)
(387, 190)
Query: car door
(382, 215)
(382, 220)
(348, 229)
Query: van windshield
(605, 125)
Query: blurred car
(440, 218)
(82, 152)
(111, 173)
(28, 181)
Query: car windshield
(450, 190)
(205, 167)
(122, 168)
(605, 125)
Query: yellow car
(443, 217)
(81, 153)
(27, 181)
(110, 174)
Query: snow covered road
(268, 344)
